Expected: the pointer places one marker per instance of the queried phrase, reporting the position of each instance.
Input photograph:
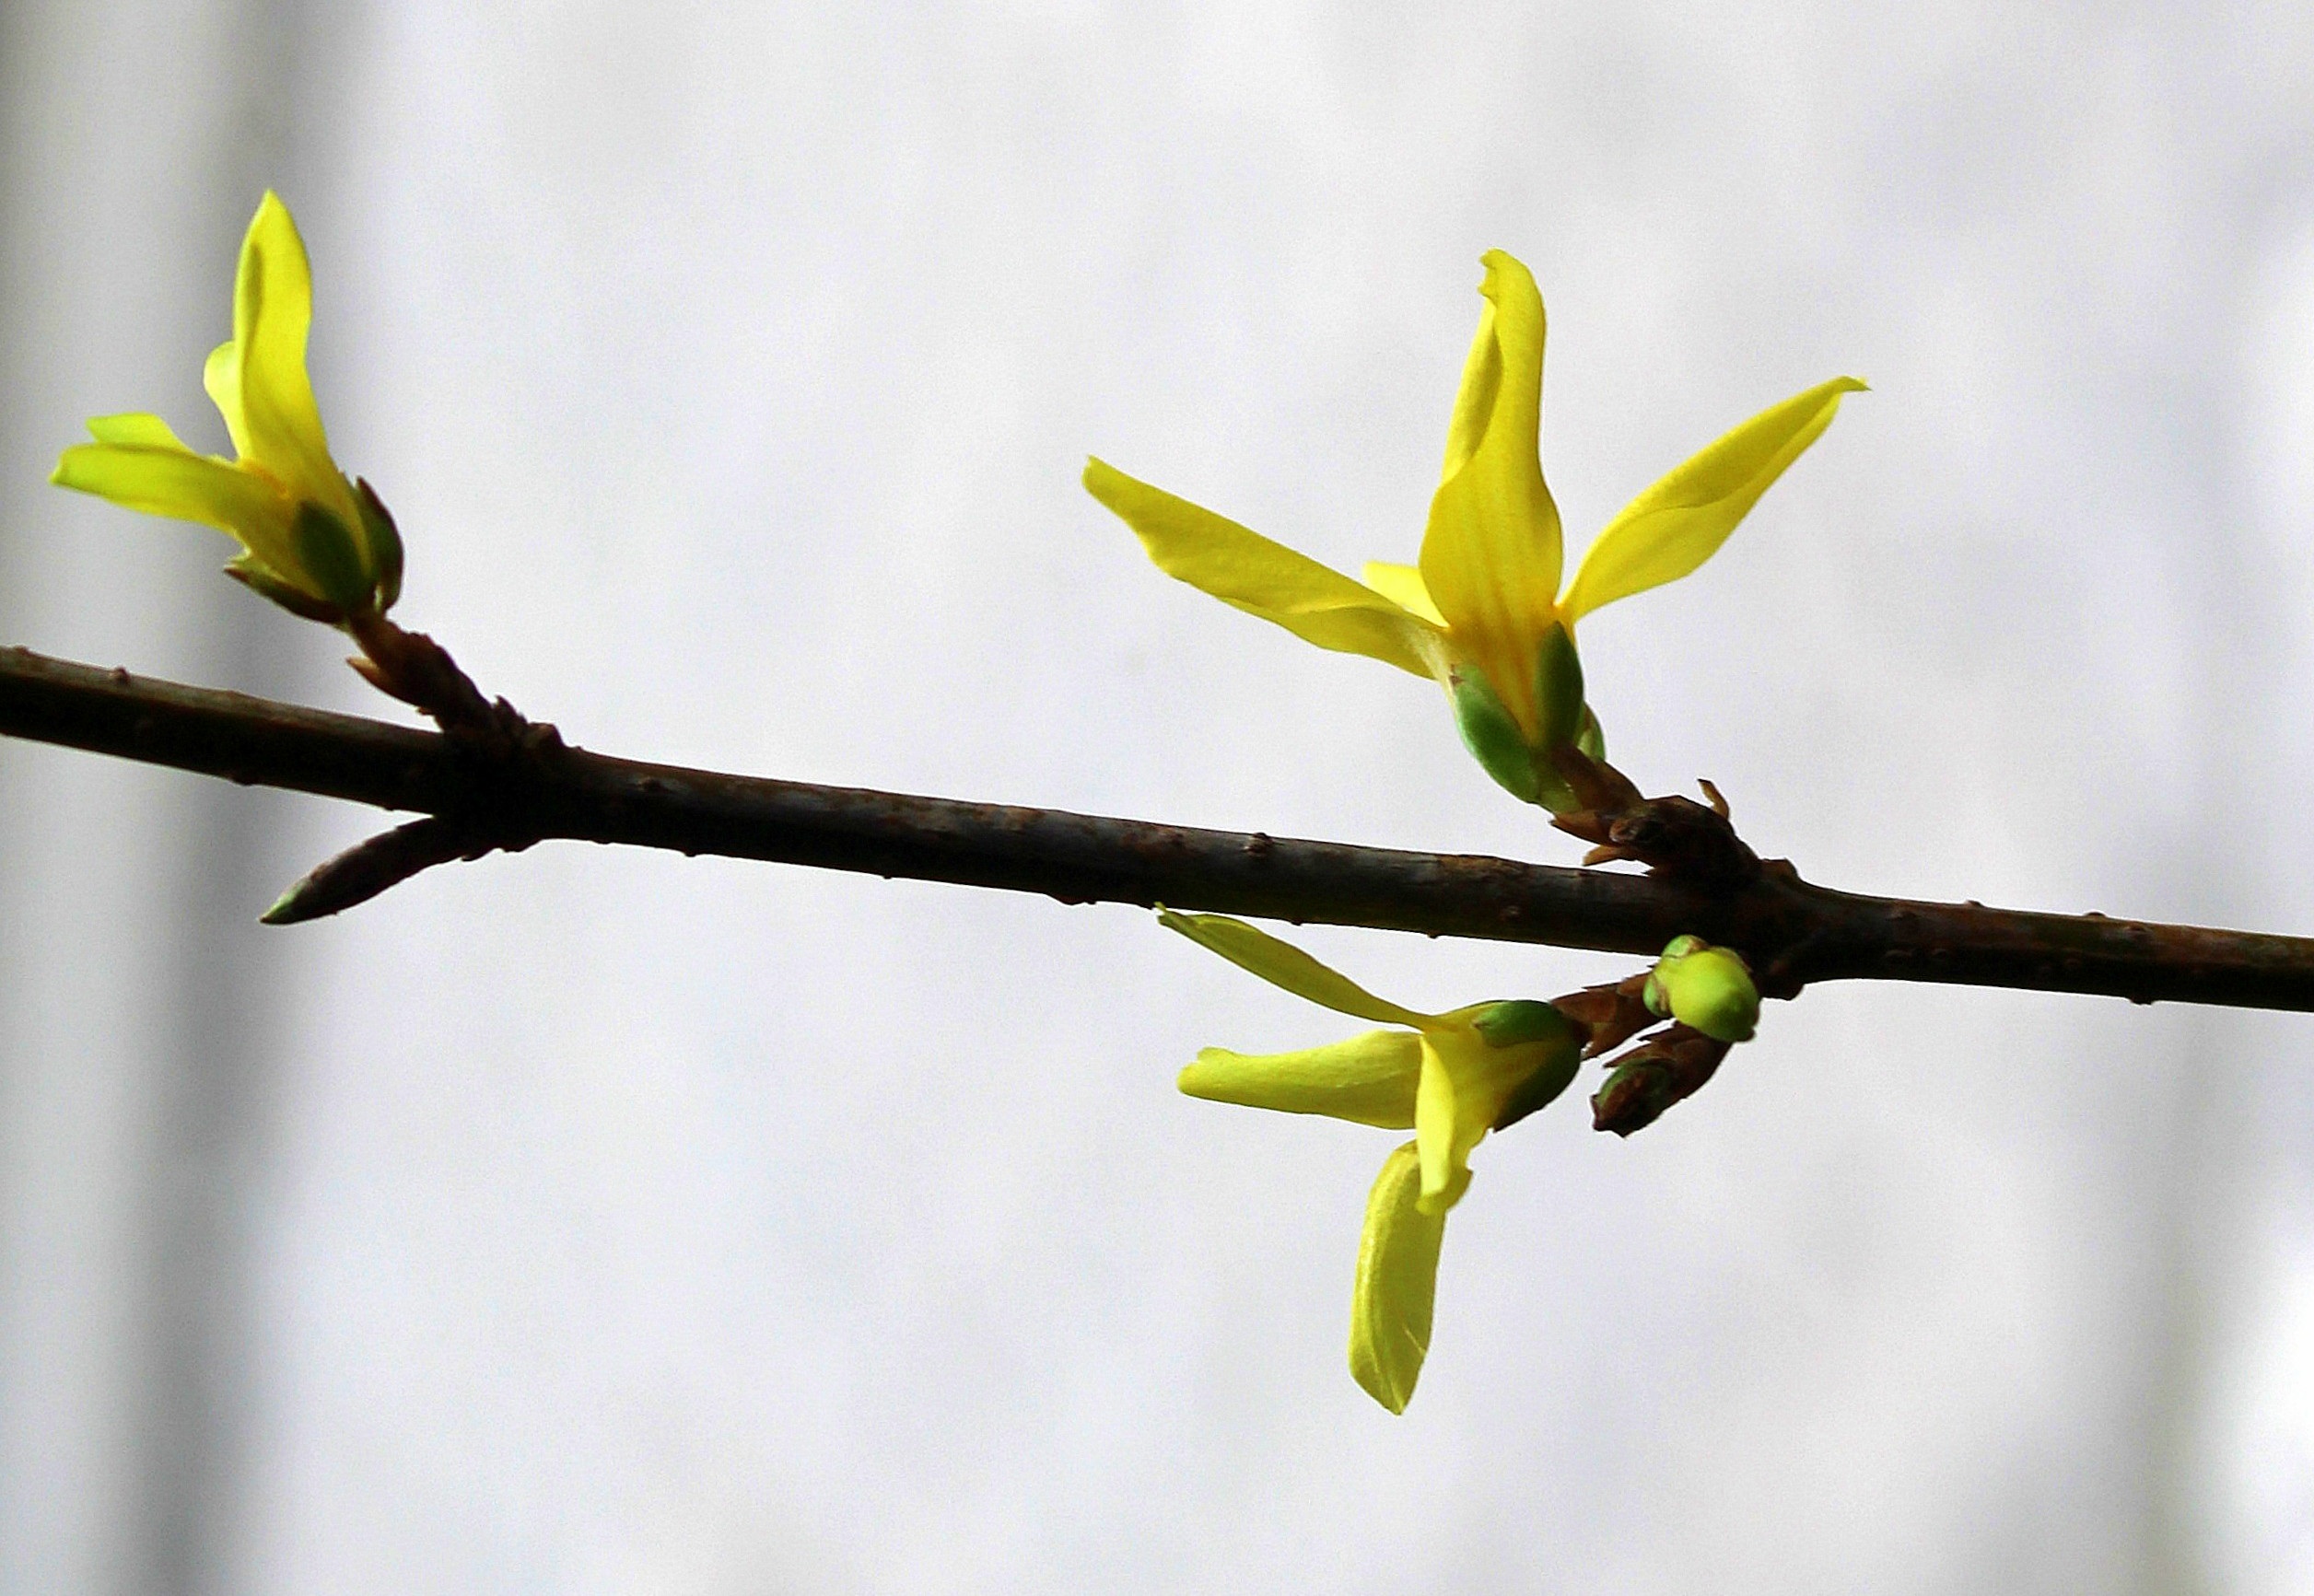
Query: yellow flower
(1449, 1077)
(1482, 613)
(310, 540)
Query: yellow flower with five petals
(1449, 1077)
(310, 540)
(1482, 612)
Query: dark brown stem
(1792, 932)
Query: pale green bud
(1706, 987)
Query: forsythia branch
(1793, 932)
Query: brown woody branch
(1793, 932)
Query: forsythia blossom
(1449, 1077)
(310, 540)
(1482, 613)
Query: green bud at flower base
(1494, 737)
(1706, 987)
(1591, 739)
(1523, 768)
(326, 549)
(384, 542)
(1518, 1022)
(1559, 692)
(1540, 1029)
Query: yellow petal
(1445, 1129)
(1398, 1282)
(1465, 1084)
(1491, 555)
(1283, 964)
(1402, 585)
(272, 312)
(1368, 1079)
(221, 376)
(1242, 568)
(149, 431)
(165, 480)
(259, 380)
(1681, 523)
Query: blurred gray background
(607, 1222)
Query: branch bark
(1793, 932)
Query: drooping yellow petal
(1242, 568)
(1283, 964)
(165, 480)
(1402, 585)
(1446, 1126)
(1398, 1284)
(1490, 554)
(1369, 1079)
(1681, 523)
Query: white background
(592, 1221)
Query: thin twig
(1794, 933)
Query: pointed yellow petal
(1283, 964)
(1491, 555)
(1681, 521)
(1397, 1283)
(1402, 585)
(149, 431)
(272, 312)
(1368, 1079)
(1242, 568)
(262, 373)
(164, 481)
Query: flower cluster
(1482, 613)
